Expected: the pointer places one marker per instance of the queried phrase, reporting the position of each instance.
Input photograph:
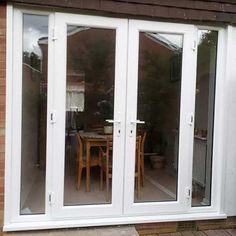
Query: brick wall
(153, 229)
(182, 10)
(2, 101)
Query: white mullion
(9, 104)
(219, 134)
(50, 95)
(16, 113)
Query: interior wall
(230, 125)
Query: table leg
(87, 167)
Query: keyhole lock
(118, 132)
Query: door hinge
(51, 198)
(188, 192)
(53, 117)
(54, 34)
(190, 119)
(194, 45)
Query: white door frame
(186, 128)
(60, 52)
(14, 147)
(14, 221)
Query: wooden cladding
(222, 11)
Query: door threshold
(108, 221)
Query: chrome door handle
(132, 128)
(118, 131)
(114, 121)
(137, 122)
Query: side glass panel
(34, 114)
(89, 103)
(159, 90)
(204, 117)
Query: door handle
(114, 121)
(133, 122)
(137, 122)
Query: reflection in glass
(204, 117)
(159, 89)
(34, 114)
(89, 102)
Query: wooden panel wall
(221, 11)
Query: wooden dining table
(92, 139)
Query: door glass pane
(34, 114)
(204, 117)
(159, 89)
(89, 102)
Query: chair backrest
(143, 142)
(109, 145)
(108, 156)
(138, 151)
(80, 148)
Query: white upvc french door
(138, 75)
(66, 27)
(180, 39)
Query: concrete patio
(119, 231)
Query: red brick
(2, 32)
(1, 190)
(3, 90)
(2, 64)
(2, 54)
(2, 107)
(2, 123)
(2, 77)
(1, 206)
(2, 164)
(2, 44)
(3, 40)
(1, 181)
(1, 197)
(2, 139)
(3, 23)
(2, 99)
(2, 13)
(2, 115)
(2, 147)
(2, 156)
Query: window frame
(13, 221)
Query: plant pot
(108, 129)
(158, 162)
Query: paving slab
(100, 231)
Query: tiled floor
(158, 186)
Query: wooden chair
(106, 165)
(81, 160)
(142, 156)
(138, 165)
